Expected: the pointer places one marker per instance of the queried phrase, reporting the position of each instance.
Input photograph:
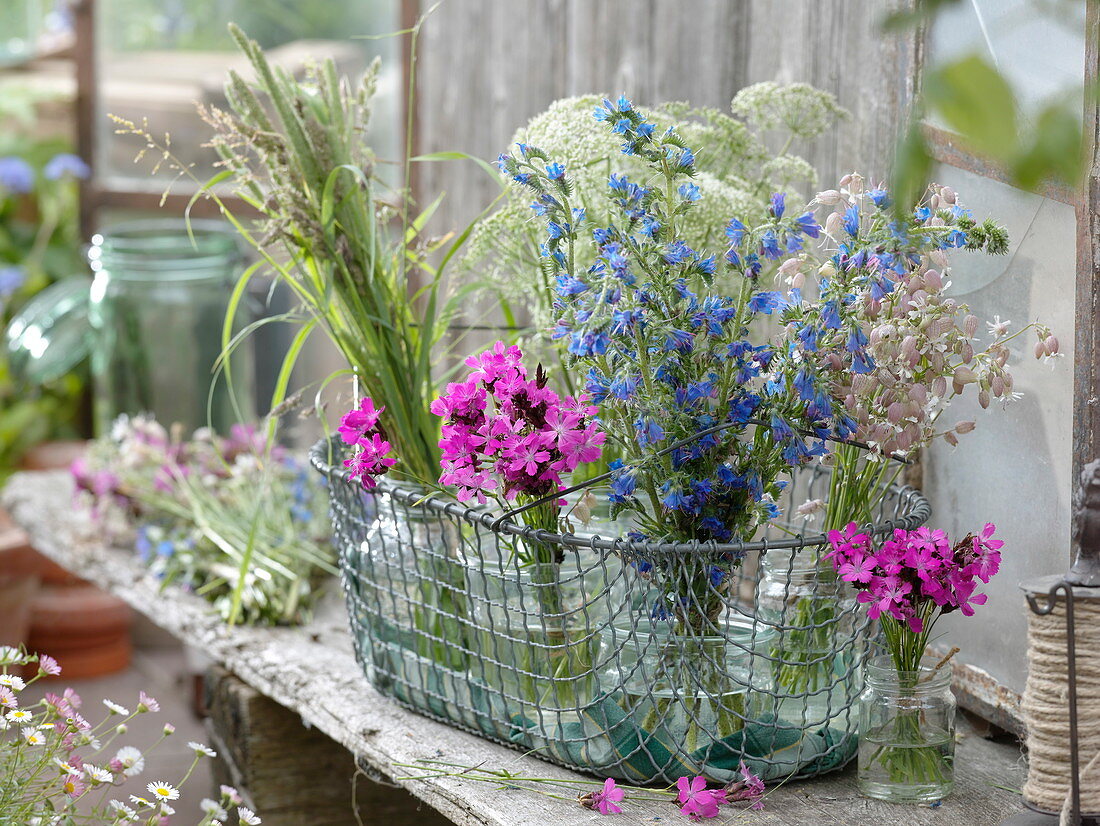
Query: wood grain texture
(312, 672)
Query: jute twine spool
(1046, 707)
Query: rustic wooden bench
(310, 675)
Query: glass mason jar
(691, 691)
(406, 589)
(907, 733)
(536, 641)
(157, 306)
(819, 640)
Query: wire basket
(569, 660)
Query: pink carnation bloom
(604, 801)
(358, 422)
(696, 800)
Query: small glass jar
(907, 733)
(819, 639)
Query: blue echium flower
(779, 204)
(765, 301)
(677, 252)
(735, 231)
(680, 340)
(851, 220)
(807, 224)
(624, 386)
(689, 192)
(769, 245)
(648, 431)
(881, 198)
(623, 481)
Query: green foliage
(39, 238)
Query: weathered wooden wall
(487, 66)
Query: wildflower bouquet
(915, 578)
(740, 170)
(870, 328)
(234, 519)
(678, 384)
(58, 766)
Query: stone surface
(312, 672)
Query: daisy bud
(829, 197)
(168, 729)
(939, 387)
(971, 325)
(121, 729)
(1051, 345)
(949, 437)
(948, 195)
(998, 386)
(1040, 349)
(983, 399)
(933, 280)
(964, 427)
(834, 224)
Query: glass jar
(157, 306)
(907, 733)
(684, 689)
(151, 322)
(819, 640)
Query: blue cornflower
(523, 149)
(555, 170)
(650, 226)
(772, 510)
(677, 252)
(857, 340)
(66, 164)
(689, 192)
(649, 432)
(727, 476)
(539, 209)
(732, 258)
(881, 198)
(735, 231)
(570, 285)
(779, 204)
(11, 279)
(602, 113)
(821, 407)
(699, 390)
(602, 235)
(660, 613)
(624, 387)
(830, 315)
(16, 175)
(503, 159)
(808, 225)
(765, 301)
(769, 245)
(851, 220)
(680, 340)
(804, 384)
(743, 407)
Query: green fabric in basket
(608, 740)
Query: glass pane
(1014, 469)
(1039, 47)
(158, 59)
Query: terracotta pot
(16, 597)
(52, 455)
(85, 629)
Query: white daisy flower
(123, 813)
(201, 750)
(132, 761)
(213, 808)
(19, 715)
(163, 791)
(32, 736)
(66, 768)
(115, 708)
(13, 682)
(98, 775)
(139, 801)
(247, 816)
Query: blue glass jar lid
(51, 335)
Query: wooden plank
(312, 672)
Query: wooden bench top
(312, 671)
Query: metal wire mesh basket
(569, 659)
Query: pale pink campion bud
(935, 358)
(949, 437)
(971, 325)
(967, 352)
(951, 305)
(948, 195)
(903, 441)
(834, 361)
(847, 179)
(834, 224)
(964, 375)
(983, 399)
(850, 402)
(895, 413)
(1051, 345)
(909, 351)
(933, 280)
(912, 430)
(791, 265)
(886, 379)
(798, 280)
(939, 387)
(936, 221)
(918, 393)
(1000, 355)
(964, 427)
(1008, 381)
(916, 411)
(934, 203)
(829, 197)
(939, 258)
(1040, 349)
(855, 184)
(997, 385)
(957, 387)
(941, 326)
(861, 383)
